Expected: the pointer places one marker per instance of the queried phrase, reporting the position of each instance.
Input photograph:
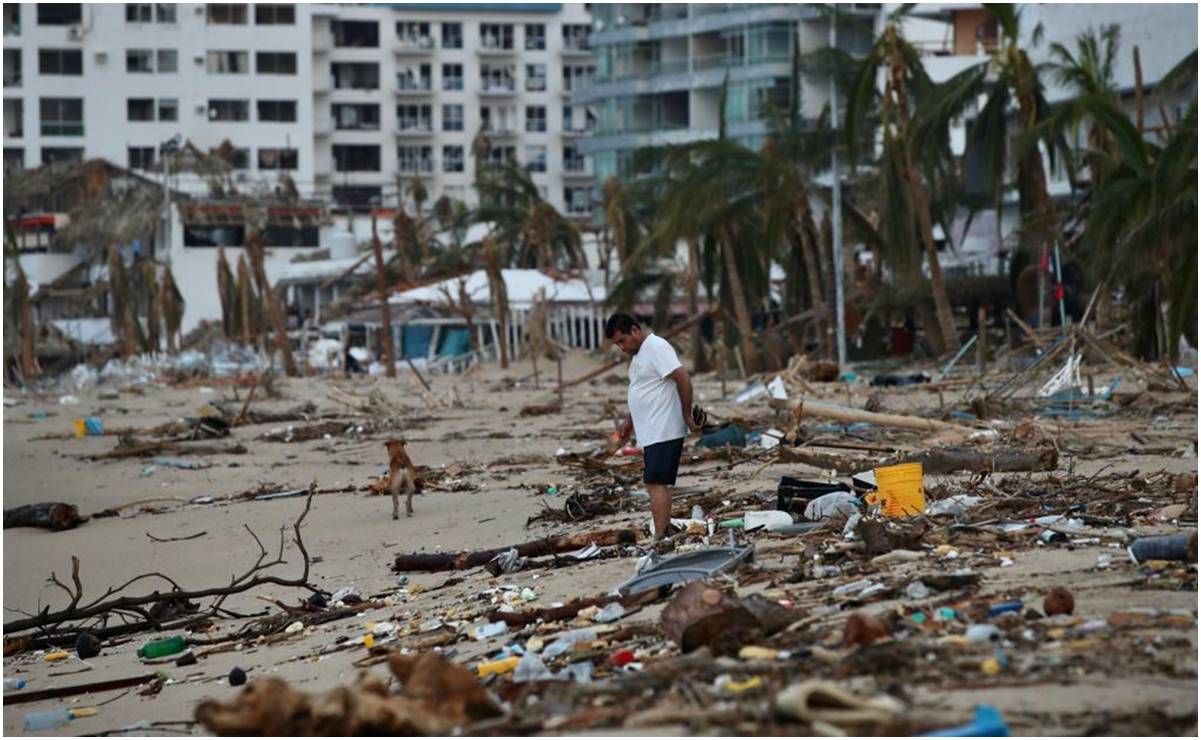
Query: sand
(355, 539)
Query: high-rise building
(660, 69)
(350, 101)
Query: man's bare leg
(660, 508)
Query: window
(227, 14)
(414, 33)
(14, 118)
(14, 159)
(415, 78)
(139, 13)
(12, 67)
(59, 14)
(452, 158)
(355, 75)
(228, 62)
(168, 61)
(164, 13)
(139, 109)
(168, 109)
(452, 76)
(497, 78)
(535, 77)
(204, 235)
(229, 110)
(356, 34)
(279, 159)
(57, 154)
(12, 27)
(274, 15)
(356, 116)
(496, 36)
(500, 155)
(573, 161)
(576, 36)
(357, 197)
(414, 117)
(356, 158)
(415, 158)
(535, 118)
(139, 60)
(452, 35)
(535, 37)
(277, 111)
(60, 62)
(61, 116)
(535, 159)
(577, 75)
(238, 157)
(275, 62)
(452, 118)
(141, 157)
(578, 200)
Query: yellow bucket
(81, 428)
(899, 490)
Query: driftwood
(844, 464)
(58, 692)
(954, 460)
(307, 433)
(304, 412)
(133, 447)
(842, 413)
(440, 561)
(50, 515)
(552, 614)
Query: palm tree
(907, 215)
(275, 312)
(225, 290)
(172, 307)
(536, 234)
(385, 309)
(118, 284)
(500, 297)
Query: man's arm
(684, 388)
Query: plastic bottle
(621, 657)
(162, 648)
(531, 668)
(52, 719)
(14, 683)
(564, 643)
(988, 722)
(997, 610)
(612, 612)
(982, 633)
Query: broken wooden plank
(955, 460)
(439, 561)
(843, 413)
(58, 692)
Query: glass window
(356, 116)
(12, 67)
(228, 62)
(14, 118)
(415, 158)
(139, 109)
(61, 116)
(415, 117)
(168, 109)
(452, 118)
(414, 33)
(535, 159)
(168, 61)
(356, 34)
(14, 158)
(60, 14)
(275, 62)
(57, 154)
(227, 14)
(279, 159)
(277, 111)
(357, 197)
(452, 158)
(356, 158)
(12, 27)
(139, 12)
(535, 118)
(496, 36)
(229, 110)
(535, 37)
(60, 62)
(355, 75)
(500, 155)
(452, 76)
(576, 36)
(274, 15)
(141, 157)
(452, 35)
(164, 12)
(139, 60)
(535, 77)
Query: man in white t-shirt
(660, 401)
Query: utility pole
(836, 193)
(166, 149)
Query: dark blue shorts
(662, 461)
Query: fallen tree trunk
(844, 464)
(52, 515)
(957, 459)
(439, 561)
(842, 413)
(59, 692)
(129, 447)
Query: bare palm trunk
(500, 297)
(153, 316)
(172, 313)
(28, 365)
(117, 286)
(808, 234)
(244, 299)
(223, 286)
(274, 311)
(742, 313)
(385, 309)
(700, 362)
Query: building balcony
(414, 88)
(577, 169)
(498, 89)
(323, 129)
(576, 132)
(495, 49)
(501, 131)
(421, 167)
(418, 46)
(577, 49)
(416, 129)
(323, 44)
(322, 85)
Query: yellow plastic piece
(755, 652)
(84, 712)
(56, 655)
(498, 667)
(81, 429)
(990, 667)
(369, 640)
(899, 490)
(738, 687)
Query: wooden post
(721, 343)
(559, 371)
(981, 340)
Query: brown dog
(400, 470)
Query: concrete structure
(347, 100)
(660, 70)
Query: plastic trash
(612, 612)
(953, 505)
(498, 667)
(531, 668)
(917, 590)
(730, 434)
(777, 389)
(982, 633)
(838, 503)
(1182, 547)
(181, 464)
(579, 672)
(12, 684)
(492, 629)
(769, 520)
(344, 593)
(52, 719)
(67, 400)
(997, 610)
(988, 722)
(162, 648)
(87, 646)
(567, 640)
(89, 426)
(618, 659)
(751, 391)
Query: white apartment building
(348, 100)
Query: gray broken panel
(689, 566)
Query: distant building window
(355, 75)
(274, 15)
(12, 27)
(356, 116)
(227, 14)
(535, 77)
(229, 110)
(535, 37)
(356, 197)
(14, 118)
(59, 14)
(414, 33)
(168, 61)
(14, 158)
(58, 154)
(452, 158)
(415, 158)
(452, 118)
(576, 36)
(139, 13)
(141, 157)
(535, 118)
(277, 111)
(356, 158)
(168, 109)
(204, 235)
(356, 34)
(275, 62)
(228, 62)
(279, 159)
(12, 65)
(496, 36)
(139, 109)
(452, 35)
(164, 12)
(60, 62)
(535, 159)
(452, 76)
(139, 60)
(61, 116)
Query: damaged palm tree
(254, 247)
(539, 344)
(245, 294)
(150, 292)
(118, 285)
(385, 310)
(23, 305)
(173, 305)
(500, 295)
(225, 287)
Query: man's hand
(626, 429)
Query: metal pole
(167, 208)
(836, 192)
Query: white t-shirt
(653, 398)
